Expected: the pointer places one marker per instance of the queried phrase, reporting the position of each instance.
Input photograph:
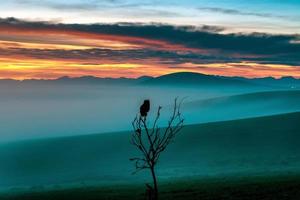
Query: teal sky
(272, 16)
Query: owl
(145, 107)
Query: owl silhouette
(144, 109)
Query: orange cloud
(49, 69)
(26, 52)
(45, 69)
(45, 37)
(245, 69)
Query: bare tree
(151, 141)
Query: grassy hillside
(259, 145)
(242, 106)
(255, 96)
(246, 188)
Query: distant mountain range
(83, 80)
(188, 78)
(173, 79)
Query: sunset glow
(49, 49)
(50, 69)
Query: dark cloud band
(256, 47)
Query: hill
(189, 78)
(259, 145)
(242, 106)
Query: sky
(47, 39)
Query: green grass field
(257, 158)
(247, 188)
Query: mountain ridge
(184, 78)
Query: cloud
(239, 12)
(202, 37)
(138, 43)
(87, 5)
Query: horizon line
(136, 78)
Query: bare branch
(152, 142)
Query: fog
(48, 111)
(35, 111)
(33, 116)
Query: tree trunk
(154, 184)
